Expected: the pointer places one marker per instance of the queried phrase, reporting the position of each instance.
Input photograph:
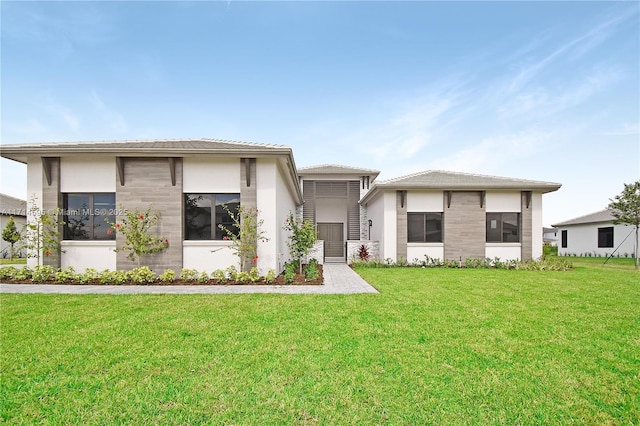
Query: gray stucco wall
(526, 226)
(52, 200)
(401, 225)
(148, 183)
(464, 226)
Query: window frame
(499, 217)
(93, 214)
(425, 228)
(605, 237)
(564, 238)
(215, 233)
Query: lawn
(443, 346)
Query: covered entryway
(333, 236)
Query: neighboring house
(440, 214)
(11, 206)
(550, 236)
(595, 235)
(457, 216)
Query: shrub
(42, 273)
(8, 272)
(242, 277)
(142, 275)
(188, 275)
(219, 276)
(65, 275)
(23, 273)
(363, 253)
(231, 272)
(87, 276)
(113, 277)
(254, 275)
(203, 277)
(289, 272)
(270, 277)
(168, 276)
(311, 271)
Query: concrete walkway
(338, 279)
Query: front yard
(445, 346)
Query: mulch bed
(298, 280)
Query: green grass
(437, 346)
(14, 261)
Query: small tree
(40, 236)
(11, 235)
(302, 238)
(136, 227)
(245, 234)
(625, 207)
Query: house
(11, 207)
(439, 214)
(457, 216)
(550, 236)
(186, 181)
(595, 234)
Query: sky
(534, 90)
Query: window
(88, 216)
(564, 239)
(503, 227)
(204, 212)
(424, 227)
(605, 237)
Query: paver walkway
(338, 279)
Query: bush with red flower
(136, 226)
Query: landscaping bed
(144, 276)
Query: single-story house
(440, 214)
(595, 234)
(11, 207)
(550, 236)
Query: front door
(333, 236)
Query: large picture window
(424, 227)
(204, 212)
(503, 227)
(87, 216)
(605, 237)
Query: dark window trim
(500, 229)
(215, 233)
(91, 217)
(605, 237)
(425, 236)
(564, 238)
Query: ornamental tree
(136, 226)
(11, 235)
(40, 235)
(625, 207)
(302, 238)
(244, 234)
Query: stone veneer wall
(316, 252)
(353, 247)
(464, 226)
(52, 200)
(526, 224)
(148, 183)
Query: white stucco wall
(87, 175)
(583, 239)
(34, 189)
(210, 175)
(390, 249)
(375, 212)
(504, 251)
(536, 222)
(81, 255)
(420, 250)
(275, 200)
(425, 201)
(207, 256)
(332, 210)
(499, 201)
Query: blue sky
(534, 90)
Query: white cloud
(112, 119)
(62, 113)
(626, 129)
